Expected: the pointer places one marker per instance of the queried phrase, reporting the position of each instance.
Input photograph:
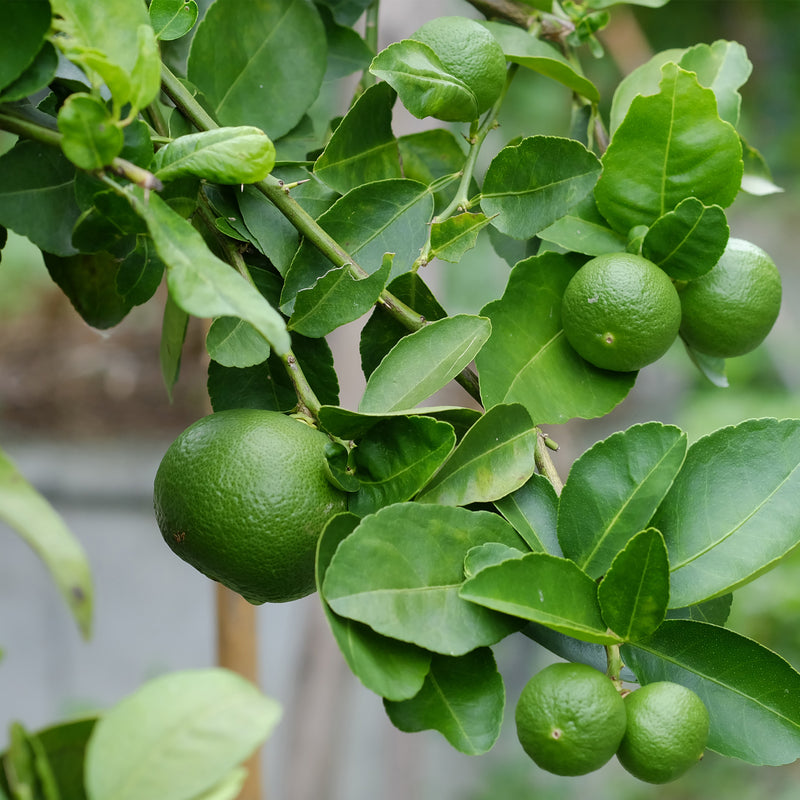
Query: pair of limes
(621, 312)
(571, 720)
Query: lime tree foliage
(160, 144)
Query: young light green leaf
(752, 694)
(395, 459)
(30, 515)
(613, 489)
(634, 594)
(172, 19)
(452, 238)
(736, 484)
(177, 736)
(423, 362)
(462, 698)
(545, 589)
(237, 155)
(285, 39)
(391, 668)
(530, 185)
(670, 146)
(199, 282)
(687, 241)
(527, 359)
(533, 511)
(487, 555)
(410, 591)
(25, 26)
(233, 342)
(362, 149)
(495, 457)
(584, 230)
(228, 788)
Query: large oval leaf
(533, 510)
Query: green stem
(614, 665)
(307, 400)
(544, 464)
(185, 101)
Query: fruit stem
(307, 403)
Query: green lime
(620, 312)
(666, 734)
(729, 310)
(570, 719)
(470, 53)
(242, 496)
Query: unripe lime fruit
(242, 496)
(570, 719)
(620, 312)
(729, 310)
(666, 732)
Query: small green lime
(729, 310)
(620, 312)
(242, 496)
(666, 733)
(570, 719)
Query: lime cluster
(621, 312)
(571, 720)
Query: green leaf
(730, 515)
(687, 241)
(383, 217)
(462, 698)
(527, 359)
(233, 342)
(495, 457)
(530, 185)
(30, 515)
(752, 694)
(545, 589)
(452, 238)
(634, 594)
(757, 179)
(202, 284)
(715, 611)
(533, 511)
(25, 26)
(423, 362)
(712, 367)
(362, 149)
(613, 489)
(37, 196)
(520, 47)
(347, 51)
(172, 19)
(423, 84)
(670, 146)
(583, 230)
(487, 555)
(394, 460)
(268, 78)
(177, 736)
(410, 591)
(346, 12)
(347, 424)
(35, 77)
(140, 272)
(388, 667)
(224, 155)
(173, 334)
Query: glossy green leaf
(90, 140)
(634, 593)
(173, 334)
(35, 77)
(495, 457)
(34, 519)
(584, 230)
(757, 179)
(687, 241)
(37, 196)
(410, 591)
(140, 272)
(613, 489)
(337, 298)
(487, 555)
(395, 459)
(224, 155)
(520, 47)
(423, 84)
(463, 698)
(347, 424)
(530, 185)
(267, 78)
(25, 26)
(233, 342)
(752, 694)
(452, 238)
(383, 217)
(731, 513)
(177, 736)
(274, 235)
(202, 284)
(172, 19)
(362, 149)
(423, 362)
(388, 667)
(533, 511)
(714, 611)
(545, 589)
(527, 360)
(670, 146)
